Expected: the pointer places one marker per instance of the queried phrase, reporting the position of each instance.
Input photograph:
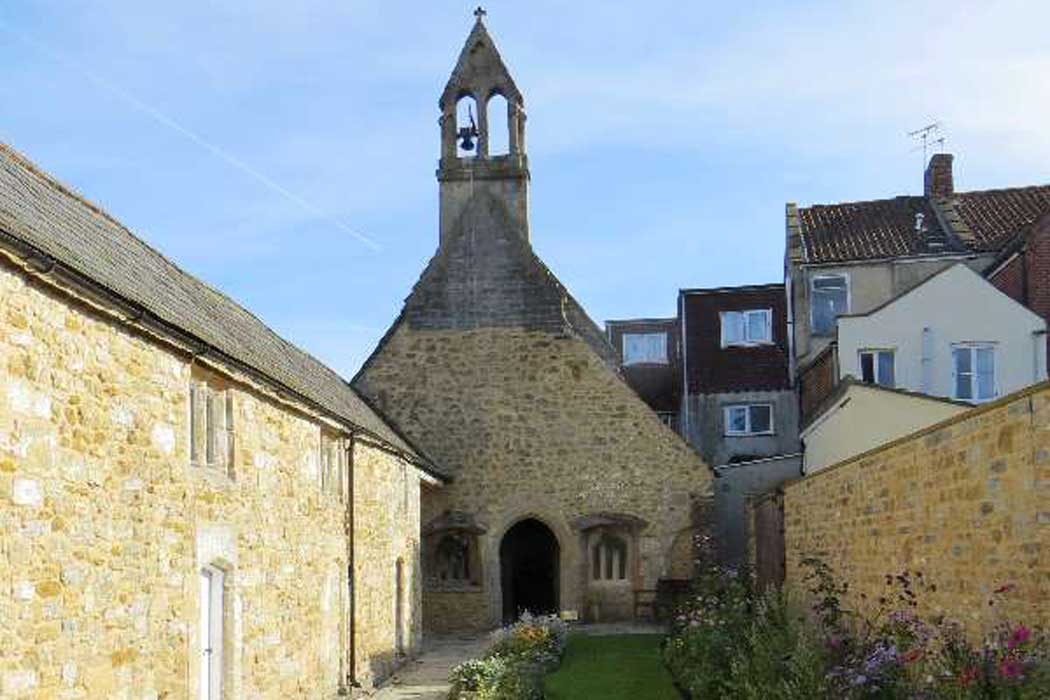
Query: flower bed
(515, 663)
(730, 642)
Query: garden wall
(965, 502)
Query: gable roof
(966, 222)
(39, 213)
(486, 275)
(849, 382)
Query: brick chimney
(938, 179)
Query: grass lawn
(618, 667)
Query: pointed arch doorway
(528, 557)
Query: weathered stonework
(537, 425)
(106, 524)
(964, 502)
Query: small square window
(751, 327)
(644, 348)
(749, 419)
(877, 367)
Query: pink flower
(1011, 668)
(1018, 637)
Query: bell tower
(482, 137)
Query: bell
(466, 139)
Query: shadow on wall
(736, 483)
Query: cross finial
(480, 13)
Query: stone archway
(529, 569)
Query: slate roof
(979, 221)
(40, 212)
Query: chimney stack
(938, 180)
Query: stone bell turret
(471, 115)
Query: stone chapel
(566, 492)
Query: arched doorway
(528, 557)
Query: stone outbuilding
(567, 491)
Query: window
(639, 348)
(211, 632)
(974, 372)
(749, 419)
(609, 559)
(333, 464)
(754, 327)
(876, 367)
(668, 418)
(211, 425)
(830, 299)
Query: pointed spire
(480, 70)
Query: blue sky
(255, 142)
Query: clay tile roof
(996, 216)
(981, 221)
(40, 212)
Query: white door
(211, 633)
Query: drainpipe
(351, 651)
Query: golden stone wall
(106, 525)
(966, 502)
(536, 425)
(386, 531)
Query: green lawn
(619, 667)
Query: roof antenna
(928, 135)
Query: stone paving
(426, 677)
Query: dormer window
(644, 348)
(745, 328)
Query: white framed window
(878, 367)
(668, 418)
(751, 327)
(645, 348)
(609, 558)
(829, 298)
(973, 372)
(749, 419)
(211, 420)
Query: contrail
(216, 151)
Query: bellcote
(482, 135)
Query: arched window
(609, 558)
(466, 127)
(453, 558)
(499, 126)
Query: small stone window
(609, 558)
(334, 473)
(211, 418)
(452, 558)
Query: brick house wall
(1026, 276)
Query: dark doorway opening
(528, 559)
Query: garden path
(426, 677)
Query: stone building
(567, 492)
(190, 505)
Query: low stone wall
(965, 502)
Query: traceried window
(974, 371)
(452, 558)
(609, 558)
(829, 299)
(333, 464)
(211, 425)
(877, 367)
(752, 327)
(749, 419)
(644, 348)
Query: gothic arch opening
(499, 125)
(466, 126)
(528, 557)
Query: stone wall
(535, 425)
(107, 524)
(965, 502)
(386, 532)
